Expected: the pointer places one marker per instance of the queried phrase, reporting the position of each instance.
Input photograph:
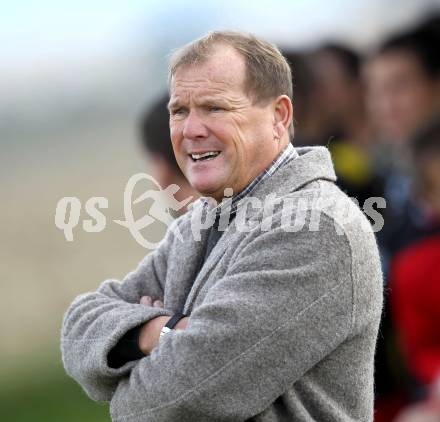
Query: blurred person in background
(402, 81)
(423, 211)
(415, 275)
(337, 74)
(345, 127)
(402, 78)
(155, 139)
(415, 284)
(309, 117)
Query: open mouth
(205, 156)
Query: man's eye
(177, 111)
(215, 108)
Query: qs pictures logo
(68, 211)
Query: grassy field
(48, 395)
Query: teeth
(205, 155)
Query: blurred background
(82, 88)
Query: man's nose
(194, 127)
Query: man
(336, 70)
(280, 322)
(403, 87)
(403, 84)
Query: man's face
(400, 96)
(220, 138)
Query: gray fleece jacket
(284, 313)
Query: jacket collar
(312, 163)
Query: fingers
(158, 304)
(147, 300)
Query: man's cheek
(176, 133)
(237, 149)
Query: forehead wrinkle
(203, 99)
(205, 93)
(213, 71)
(202, 84)
(209, 78)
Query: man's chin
(212, 191)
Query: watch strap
(172, 323)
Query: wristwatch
(171, 323)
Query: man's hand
(147, 300)
(150, 332)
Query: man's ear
(283, 115)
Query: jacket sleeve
(284, 304)
(96, 321)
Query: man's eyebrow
(172, 104)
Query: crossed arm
(240, 349)
(96, 321)
(150, 331)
